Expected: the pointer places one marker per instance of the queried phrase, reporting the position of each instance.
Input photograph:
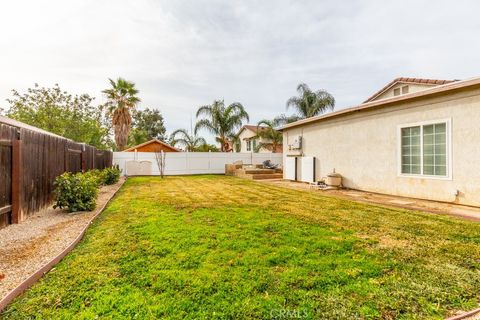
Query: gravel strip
(27, 246)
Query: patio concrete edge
(34, 277)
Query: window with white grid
(425, 149)
(411, 155)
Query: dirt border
(33, 278)
(466, 315)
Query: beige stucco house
(249, 140)
(415, 137)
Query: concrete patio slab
(445, 208)
(401, 202)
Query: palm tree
(271, 138)
(236, 143)
(189, 141)
(221, 121)
(122, 98)
(311, 103)
(207, 148)
(283, 119)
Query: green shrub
(111, 175)
(76, 192)
(96, 175)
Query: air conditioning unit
(297, 143)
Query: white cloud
(183, 54)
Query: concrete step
(257, 171)
(267, 176)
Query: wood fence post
(83, 158)
(17, 173)
(65, 157)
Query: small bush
(111, 175)
(96, 175)
(76, 192)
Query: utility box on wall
(297, 143)
(307, 169)
(300, 169)
(290, 168)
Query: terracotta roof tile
(408, 80)
(251, 127)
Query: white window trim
(448, 123)
(248, 145)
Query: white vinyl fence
(184, 163)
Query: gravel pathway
(27, 246)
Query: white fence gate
(184, 163)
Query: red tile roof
(432, 82)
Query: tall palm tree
(311, 103)
(221, 121)
(283, 119)
(207, 148)
(189, 141)
(236, 142)
(271, 138)
(122, 97)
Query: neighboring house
(153, 145)
(421, 141)
(249, 140)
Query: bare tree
(160, 157)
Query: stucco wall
(246, 134)
(363, 147)
(412, 87)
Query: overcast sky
(183, 54)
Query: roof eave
(406, 80)
(151, 141)
(440, 89)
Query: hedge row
(79, 191)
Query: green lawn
(208, 247)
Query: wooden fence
(30, 160)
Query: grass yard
(208, 247)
